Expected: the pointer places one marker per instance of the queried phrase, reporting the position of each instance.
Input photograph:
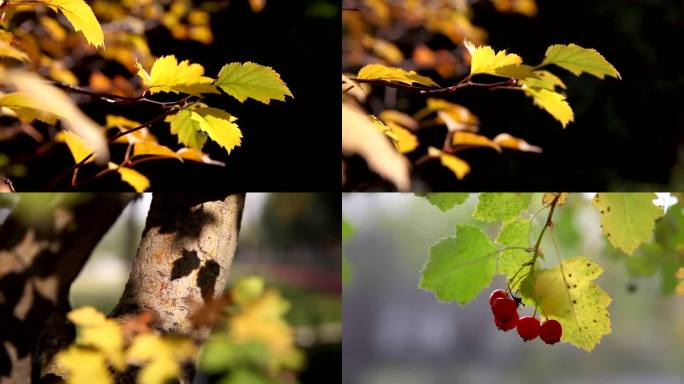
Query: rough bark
(183, 259)
(38, 262)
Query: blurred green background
(396, 333)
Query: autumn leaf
(82, 18)
(455, 164)
(160, 357)
(485, 61)
(150, 148)
(8, 50)
(462, 140)
(83, 366)
(77, 146)
(26, 107)
(219, 126)
(186, 129)
(360, 136)
(568, 294)
(578, 60)
(544, 80)
(60, 104)
(168, 75)
(394, 75)
(553, 103)
(251, 80)
(402, 138)
(505, 140)
(134, 178)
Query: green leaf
(347, 230)
(505, 207)
(552, 102)
(568, 294)
(446, 200)
(578, 60)
(514, 234)
(187, 130)
(627, 219)
(394, 75)
(247, 80)
(458, 268)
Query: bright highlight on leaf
(459, 167)
(504, 207)
(568, 294)
(627, 219)
(134, 178)
(168, 75)
(485, 60)
(553, 103)
(397, 75)
(458, 268)
(82, 18)
(251, 80)
(578, 60)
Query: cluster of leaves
(360, 135)
(102, 344)
(255, 344)
(35, 44)
(461, 266)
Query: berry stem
(549, 222)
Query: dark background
(627, 134)
(287, 146)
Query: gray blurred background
(395, 333)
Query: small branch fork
(535, 250)
(167, 109)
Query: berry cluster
(506, 317)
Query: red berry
(498, 294)
(550, 331)
(507, 326)
(528, 328)
(505, 309)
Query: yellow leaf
(82, 18)
(136, 179)
(393, 116)
(554, 103)
(108, 338)
(247, 289)
(84, 366)
(150, 148)
(523, 7)
(257, 5)
(159, 356)
(199, 156)
(568, 294)
(384, 49)
(167, 75)
(454, 114)
(124, 124)
(404, 140)
(60, 104)
(485, 60)
(360, 136)
(86, 317)
(504, 140)
(8, 50)
(251, 80)
(456, 165)
(219, 126)
(469, 139)
(26, 107)
(398, 75)
(544, 80)
(77, 146)
(261, 321)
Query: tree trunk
(39, 259)
(183, 259)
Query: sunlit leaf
(168, 75)
(462, 139)
(504, 140)
(251, 80)
(459, 167)
(26, 107)
(82, 18)
(83, 366)
(134, 178)
(485, 60)
(390, 74)
(552, 102)
(578, 60)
